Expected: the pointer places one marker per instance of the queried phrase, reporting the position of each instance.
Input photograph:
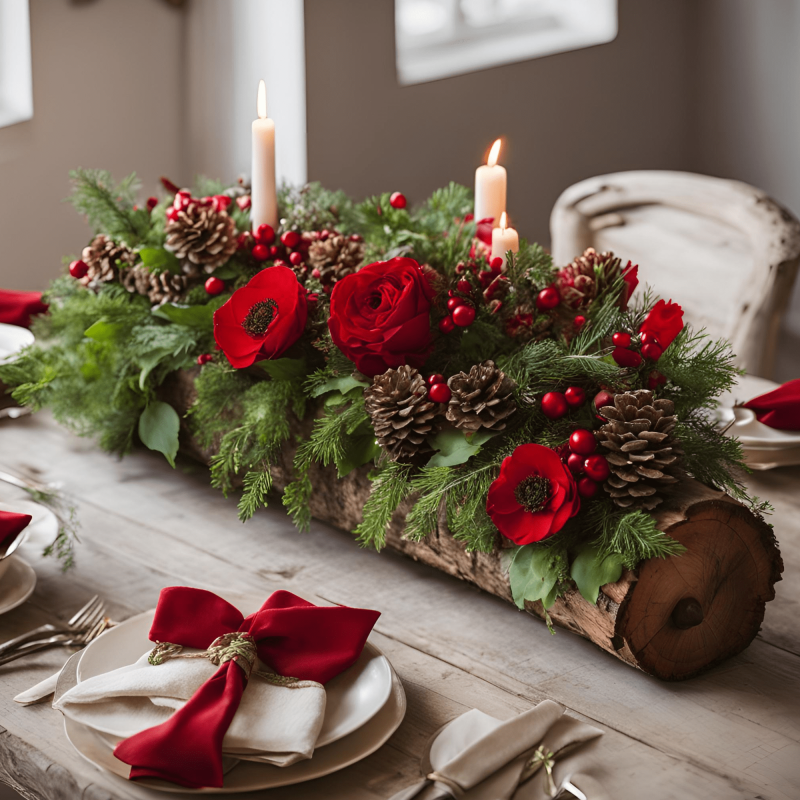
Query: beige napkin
(276, 724)
(478, 757)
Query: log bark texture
(672, 618)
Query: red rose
(380, 316)
(263, 319)
(534, 495)
(664, 321)
(631, 277)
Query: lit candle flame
(494, 153)
(262, 100)
(503, 218)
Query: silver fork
(81, 621)
(58, 641)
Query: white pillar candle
(490, 187)
(264, 198)
(504, 239)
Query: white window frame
(16, 79)
(457, 47)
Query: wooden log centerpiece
(671, 618)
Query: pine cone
(335, 257)
(158, 287)
(202, 236)
(643, 453)
(101, 256)
(580, 281)
(482, 399)
(401, 413)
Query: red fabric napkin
(294, 637)
(17, 308)
(11, 526)
(779, 408)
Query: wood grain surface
(732, 733)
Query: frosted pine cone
(201, 235)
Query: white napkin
(275, 724)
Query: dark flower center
(533, 492)
(374, 300)
(259, 317)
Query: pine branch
(389, 489)
(257, 486)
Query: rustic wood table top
(731, 733)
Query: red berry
(243, 240)
(621, 339)
(603, 398)
(265, 234)
(440, 393)
(626, 358)
(296, 259)
(575, 396)
(315, 273)
(260, 252)
(649, 338)
(78, 269)
(446, 324)
(597, 468)
(465, 287)
(435, 378)
(152, 202)
(582, 441)
(204, 358)
(273, 250)
(290, 239)
(354, 237)
(221, 202)
(579, 321)
(548, 299)
(575, 463)
(496, 264)
(182, 199)
(279, 262)
(215, 286)
(651, 351)
(655, 379)
(463, 316)
(172, 213)
(587, 488)
(398, 200)
(312, 298)
(453, 303)
(243, 202)
(554, 405)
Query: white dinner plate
(43, 528)
(17, 583)
(743, 424)
(248, 776)
(352, 698)
(13, 339)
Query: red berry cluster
(556, 404)
(183, 199)
(438, 391)
(204, 358)
(649, 348)
(461, 308)
(589, 468)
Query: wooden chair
(722, 249)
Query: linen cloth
(478, 757)
(779, 408)
(292, 636)
(11, 526)
(17, 308)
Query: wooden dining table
(733, 732)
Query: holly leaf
(534, 573)
(190, 316)
(284, 369)
(343, 384)
(159, 258)
(103, 331)
(454, 447)
(591, 570)
(158, 429)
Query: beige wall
(107, 78)
(565, 117)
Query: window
(16, 85)
(440, 38)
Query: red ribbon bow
(779, 408)
(294, 637)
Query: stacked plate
(365, 706)
(12, 340)
(763, 447)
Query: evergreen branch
(257, 486)
(297, 495)
(389, 489)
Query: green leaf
(591, 570)
(360, 450)
(284, 369)
(158, 429)
(191, 316)
(159, 258)
(456, 448)
(535, 573)
(150, 361)
(103, 331)
(343, 384)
